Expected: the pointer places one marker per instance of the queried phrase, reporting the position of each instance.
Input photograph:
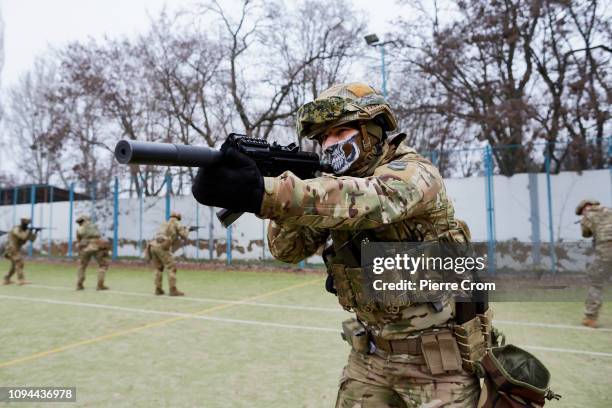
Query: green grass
(179, 362)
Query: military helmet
(341, 104)
(82, 218)
(176, 215)
(584, 203)
(25, 220)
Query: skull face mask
(344, 154)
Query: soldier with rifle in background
(596, 222)
(17, 237)
(159, 252)
(91, 244)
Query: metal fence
(537, 200)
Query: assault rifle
(193, 228)
(271, 159)
(3, 232)
(38, 229)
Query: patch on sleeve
(397, 165)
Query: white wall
(511, 199)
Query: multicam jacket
(170, 234)
(89, 237)
(404, 200)
(17, 237)
(597, 223)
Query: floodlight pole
(372, 40)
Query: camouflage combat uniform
(17, 237)
(398, 197)
(91, 245)
(597, 223)
(160, 249)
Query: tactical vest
(343, 256)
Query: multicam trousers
(163, 260)
(598, 273)
(402, 382)
(102, 258)
(17, 264)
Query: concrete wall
(514, 201)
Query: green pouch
(355, 334)
(514, 378)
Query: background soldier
(597, 223)
(160, 250)
(402, 356)
(19, 235)
(91, 244)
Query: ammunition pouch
(513, 378)
(441, 352)
(472, 341)
(356, 335)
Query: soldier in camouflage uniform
(385, 188)
(91, 245)
(160, 249)
(19, 235)
(597, 223)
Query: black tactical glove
(235, 183)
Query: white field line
(205, 300)
(252, 322)
(318, 309)
(163, 313)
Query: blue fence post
(15, 192)
(197, 230)
(93, 200)
(168, 188)
(263, 239)
(488, 159)
(116, 219)
(70, 216)
(140, 215)
(50, 219)
(551, 234)
(228, 246)
(211, 241)
(32, 202)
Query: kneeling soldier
(91, 244)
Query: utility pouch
(441, 352)
(513, 378)
(147, 252)
(163, 242)
(355, 334)
(103, 244)
(472, 342)
(342, 277)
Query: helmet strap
(365, 137)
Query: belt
(404, 346)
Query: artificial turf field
(238, 339)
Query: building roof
(44, 193)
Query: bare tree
(571, 59)
(270, 55)
(481, 68)
(34, 124)
(90, 136)
(1, 55)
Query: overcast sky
(31, 26)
